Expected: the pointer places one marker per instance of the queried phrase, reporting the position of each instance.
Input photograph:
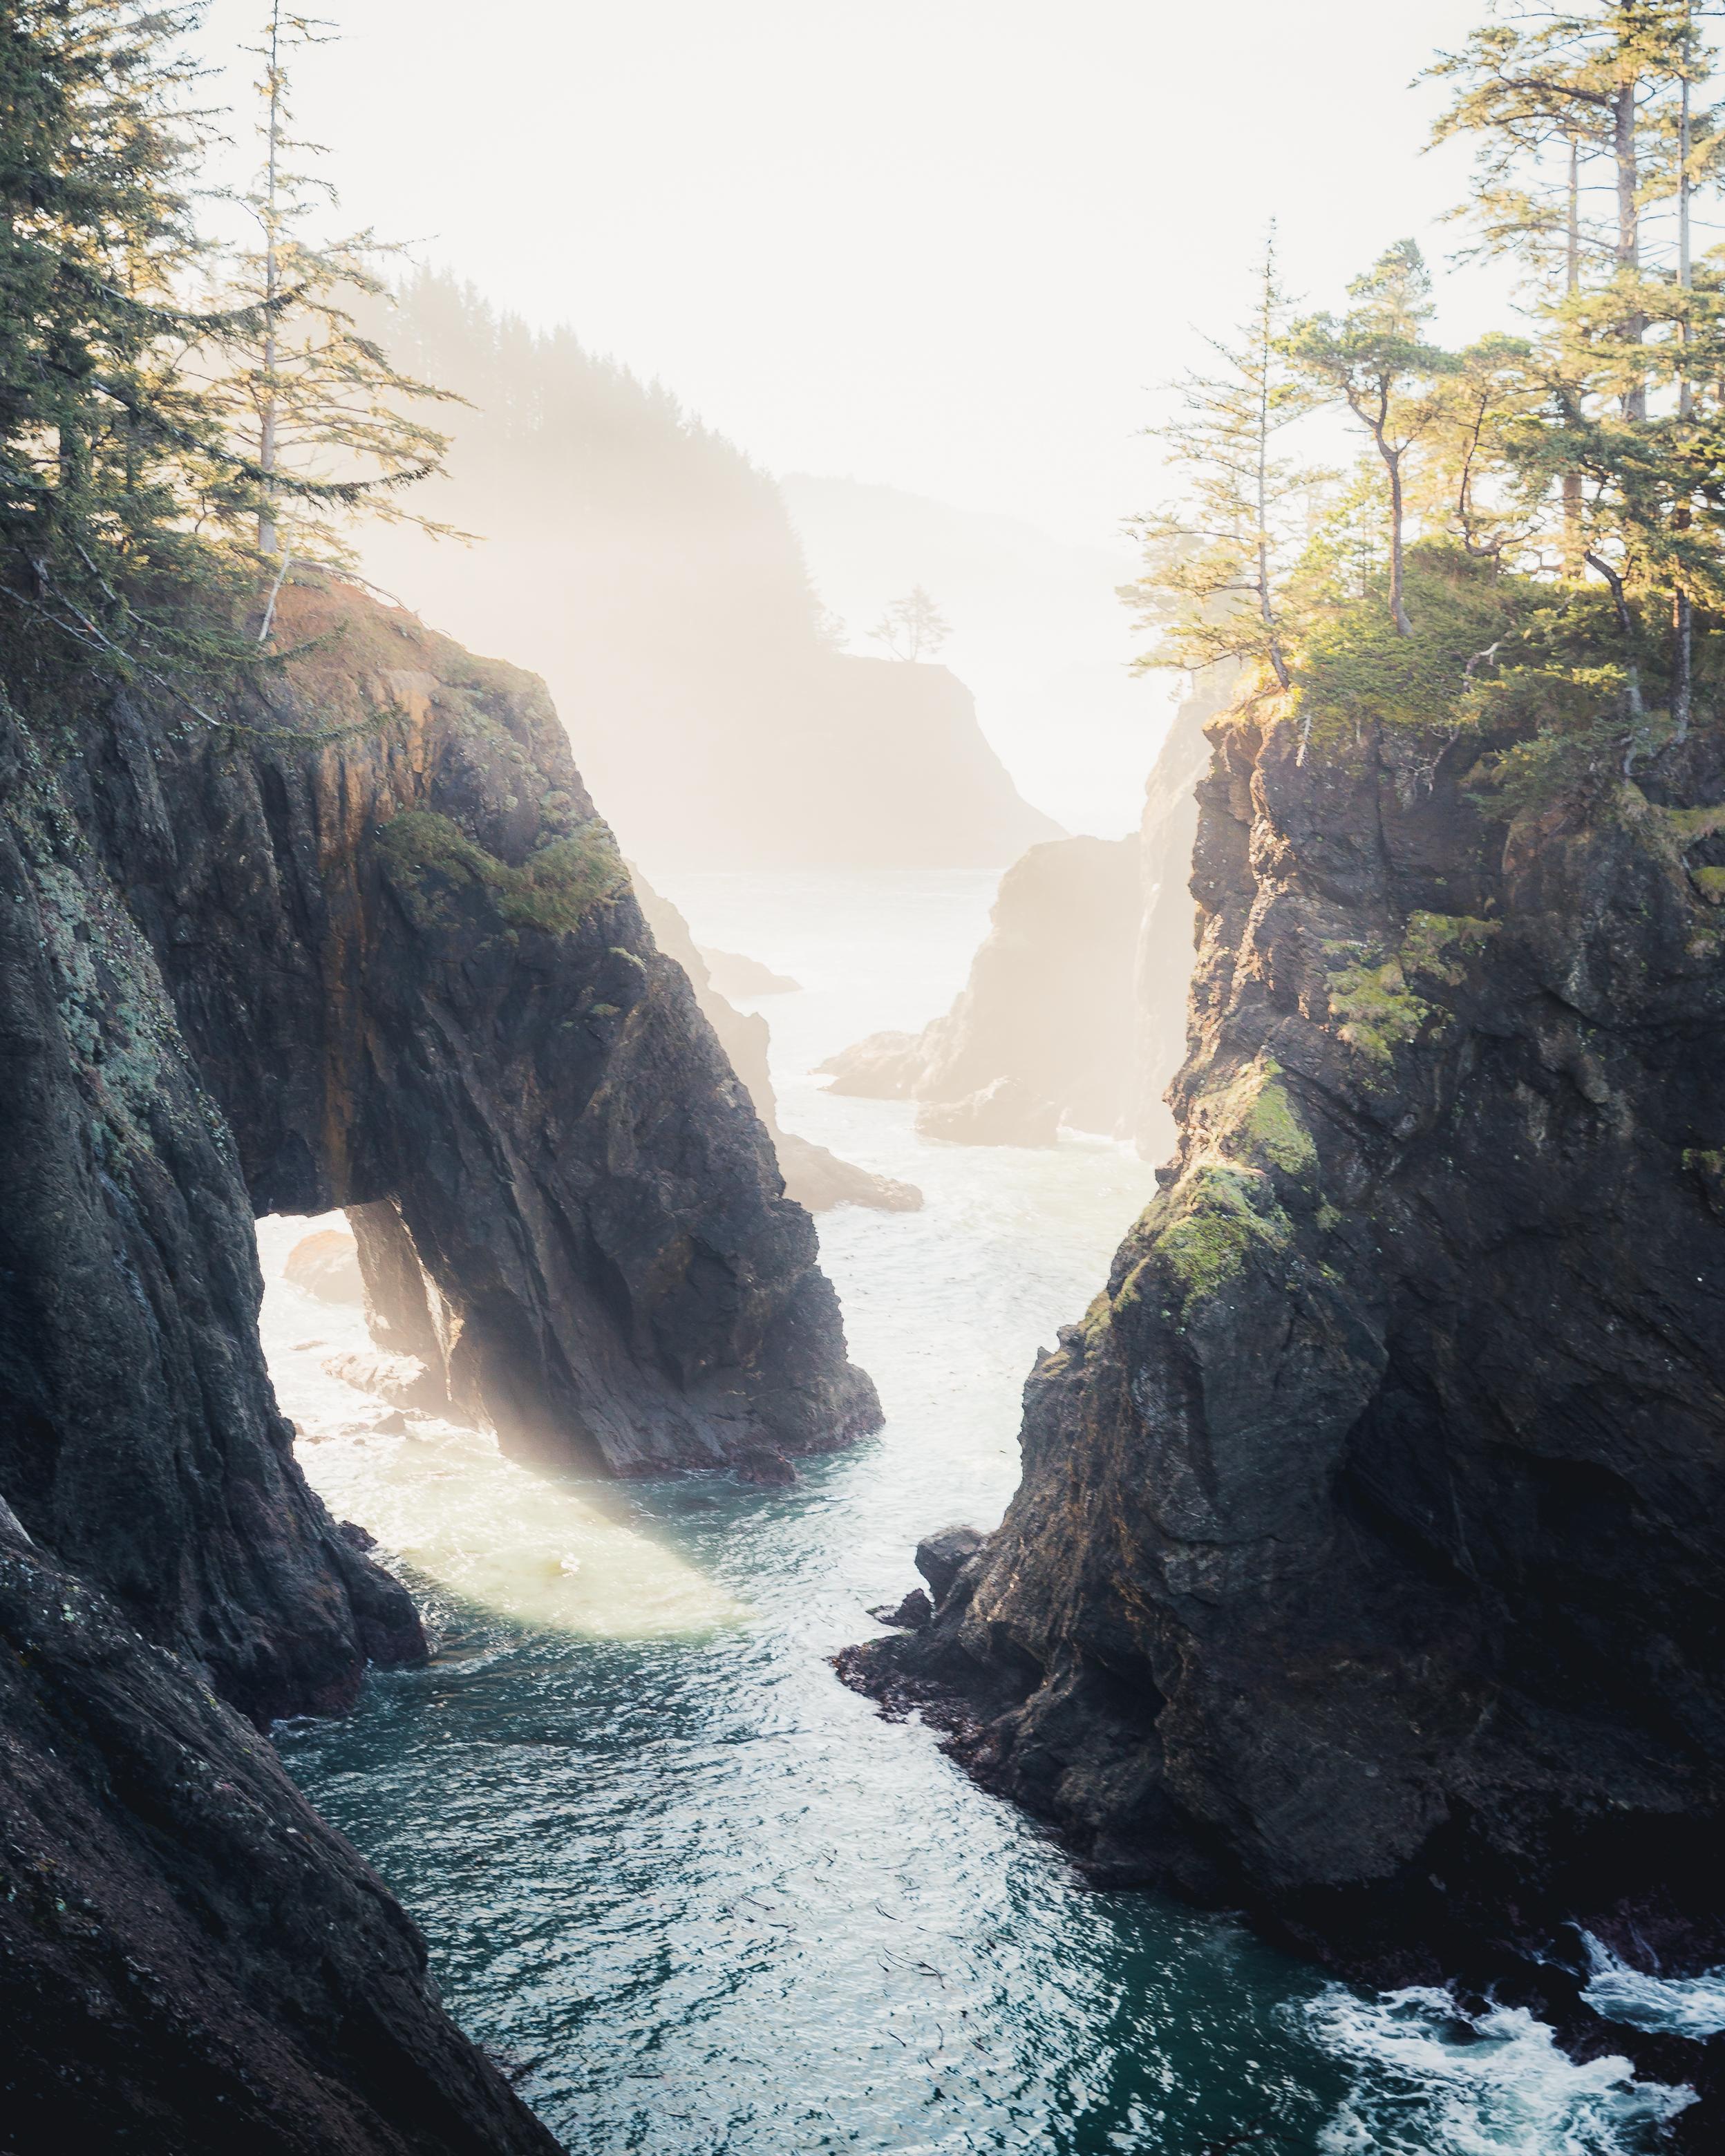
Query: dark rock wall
(1369, 1558)
(139, 1435)
(409, 965)
(364, 942)
(192, 1963)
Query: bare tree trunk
(1623, 143)
(1682, 613)
(1398, 611)
(1572, 564)
(268, 538)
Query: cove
(700, 1898)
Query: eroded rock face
(365, 943)
(1368, 1564)
(408, 964)
(192, 1963)
(140, 1441)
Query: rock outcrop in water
(815, 1176)
(1075, 1011)
(192, 1963)
(364, 941)
(1367, 1565)
(410, 967)
(1047, 1009)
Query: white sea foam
(1664, 2005)
(1434, 2080)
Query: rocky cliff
(1075, 1011)
(1367, 1565)
(650, 572)
(357, 938)
(1162, 969)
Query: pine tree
(1623, 326)
(912, 628)
(1215, 562)
(1376, 360)
(97, 421)
(318, 405)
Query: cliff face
(651, 573)
(409, 966)
(1162, 970)
(191, 1962)
(362, 943)
(1367, 1564)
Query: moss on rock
(551, 891)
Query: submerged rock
(1368, 1564)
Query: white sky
(945, 245)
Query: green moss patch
(1217, 1225)
(551, 891)
(1374, 1008)
(1440, 944)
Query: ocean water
(699, 1898)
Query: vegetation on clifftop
(1531, 545)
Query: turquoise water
(700, 1898)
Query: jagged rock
(426, 979)
(1079, 991)
(140, 1441)
(1366, 1566)
(909, 1615)
(192, 1963)
(1162, 968)
(818, 1179)
(326, 1264)
(1047, 1010)
(813, 1176)
(733, 974)
(768, 1471)
(1005, 1112)
(941, 1557)
(881, 1066)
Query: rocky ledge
(1367, 1569)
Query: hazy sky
(948, 245)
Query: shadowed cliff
(358, 938)
(1366, 1562)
